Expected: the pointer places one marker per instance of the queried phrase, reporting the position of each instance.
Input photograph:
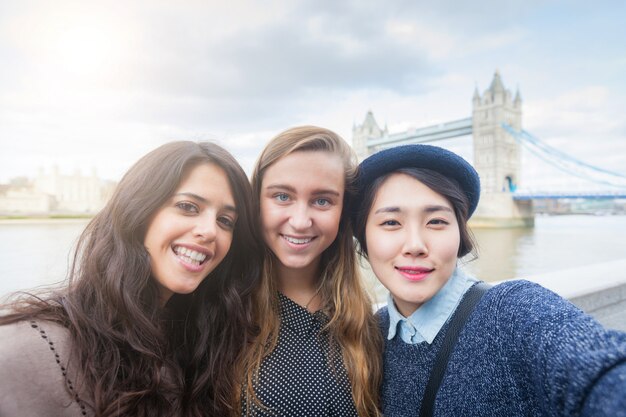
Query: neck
(300, 284)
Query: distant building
(56, 193)
(25, 200)
(361, 133)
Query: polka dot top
(296, 379)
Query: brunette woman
(157, 309)
(318, 349)
(520, 350)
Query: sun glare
(80, 46)
(85, 50)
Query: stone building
(54, 192)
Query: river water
(34, 253)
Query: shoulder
(525, 296)
(382, 315)
(23, 337)
(34, 359)
(537, 316)
(33, 339)
(517, 285)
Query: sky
(96, 85)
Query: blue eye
(187, 207)
(282, 197)
(323, 202)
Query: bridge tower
(361, 133)
(497, 157)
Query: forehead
(322, 168)
(209, 181)
(402, 190)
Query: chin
(184, 291)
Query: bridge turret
(476, 97)
(517, 102)
(496, 89)
(360, 133)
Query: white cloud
(86, 83)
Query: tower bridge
(497, 153)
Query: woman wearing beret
(318, 348)
(157, 308)
(452, 346)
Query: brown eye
(187, 207)
(226, 222)
(390, 223)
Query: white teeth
(190, 256)
(297, 241)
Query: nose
(415, 244)
(300, 217)
(206, 227)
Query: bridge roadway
(432, 133)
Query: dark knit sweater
(524, 351)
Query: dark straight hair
(437, 182)
(121, 337)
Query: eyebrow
(293, 190)
(203, 200)
(427, 209)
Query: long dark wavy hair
(122, 338)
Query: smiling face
(192, 232)
(301, 201)
(412, 239)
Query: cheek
(225, 243)
(266, 216)
(448, 247)
(380, 245)
(155, 232)
(334, 220)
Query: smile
(190, 256)
(296, 240)
(413, 273)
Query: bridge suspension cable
(564, 162)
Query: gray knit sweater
(524, 351)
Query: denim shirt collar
(429, 318)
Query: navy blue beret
(430, 157)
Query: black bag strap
(463, 311)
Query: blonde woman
(318, 348)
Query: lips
(414, 273)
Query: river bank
(8, 220)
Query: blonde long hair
(352, 325)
